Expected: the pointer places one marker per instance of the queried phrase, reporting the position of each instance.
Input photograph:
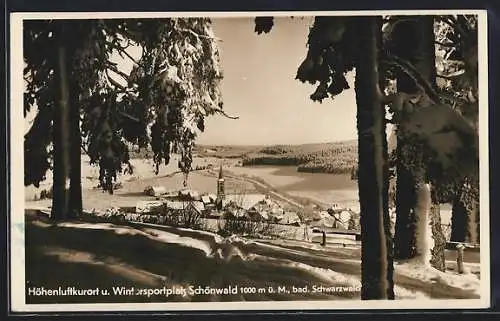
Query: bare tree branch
(113, 68)
(129, 56)
(122, 51)
(114, 82)
(85, 150)
(129, 116)
(414, 74)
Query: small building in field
(145, 207)
(155, 190)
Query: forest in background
(334, 158)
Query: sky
(260, 88)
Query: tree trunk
(437, 253)
(458, 219)
(376, 243)
(465, 216)
(478, 223)
(60, 200)
(75, 174)
(405, 230)
(413, 41)
(422, 215)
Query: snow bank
(172, 238)
(432, 276)
(110, 263)
(402, 293)
(227, 248)
(333, 277)
(154, 234)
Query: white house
(244, 201)
(290, 218)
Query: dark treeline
(338, 158)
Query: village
(251, 207)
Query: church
(251, 206)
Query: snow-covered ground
(149, 255)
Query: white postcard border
(16, 248)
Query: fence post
(460, 258)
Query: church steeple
(220, 188)
(220, 172)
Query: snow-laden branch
(223, 113)
(447, 45)
(197, 35)
(455, 25)
(452, 98)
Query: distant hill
(335, 157)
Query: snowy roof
(324, 214)
(177, 205)
(206, 199)
(290, 218)
(188, 192)
(180, 205)
(345, 215)
(199, 206)
(246, 201)
(277, 211)
(327, 222)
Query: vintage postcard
(249, 161)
